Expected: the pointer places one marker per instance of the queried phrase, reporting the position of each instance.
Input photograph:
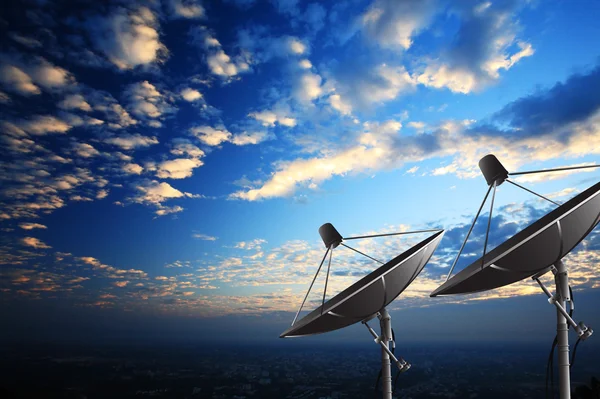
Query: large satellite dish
(368, 297)
(534, 251)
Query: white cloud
(31, 226)
(146, 102)
(101, 194)
(394, 23)
(190, 94)
(203, 237)
(75, 101)
(128, 38)
(41, 125)
(218, 61)
(178, 168)
(14, 79)
(183, 147)
(305, 64)
(366, 86)
(246, 138)
(369, 153)
(277, 115)
(131, 141)
(168, 210)
(34, 243)
(132, 169)
(336, 102)
(211, 136)
(483, 47)
(189, 9)
(152, 192)
(25, 76)
(85, 150)
(308, 87)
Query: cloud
(154, 193)
(219, 63)
(247, 138)
(183, 147)
(271, 117)
(190, 94)
(203, 237)
(146, 102)
(211, 136)
(41, 125)
(361, 85)
(76, 102)
(128, 38)
(336, 102)
(132, 169)
(131, 141)
(34, 243)
(101, 194)
(31, 226)
(394, 23)
(308, 87)
(177, 168)
(85, 150)
(566, 102)
(482, 47)
(188, 9)
(15, 80)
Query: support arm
(582, 330)
(401, 364)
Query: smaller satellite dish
(367, 298)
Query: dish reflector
(370, 294)
(532, 250)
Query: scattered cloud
(35, 243)
(127, 37)
(131, 141)
(31, 226)
(203, 237)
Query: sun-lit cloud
(131, 141)
(35, 243)
(31, 226)
(128, 38)
(190, 94)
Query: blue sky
(174, 159)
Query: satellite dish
(533, 252)
(368, 297)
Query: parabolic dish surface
(368, 295)
(533, 249)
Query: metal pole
(386, 368)
(562, 288)
(487, 232)
(468, 234)
(326, 279)
(310, 288)
(553, 170)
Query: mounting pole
(385, 323)
(386, 367)
(561, 278)
(563, 319)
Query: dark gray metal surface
(533, 249)
(368, 295)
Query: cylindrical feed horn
(330, 236)
(493, 170)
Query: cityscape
(295, 371)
